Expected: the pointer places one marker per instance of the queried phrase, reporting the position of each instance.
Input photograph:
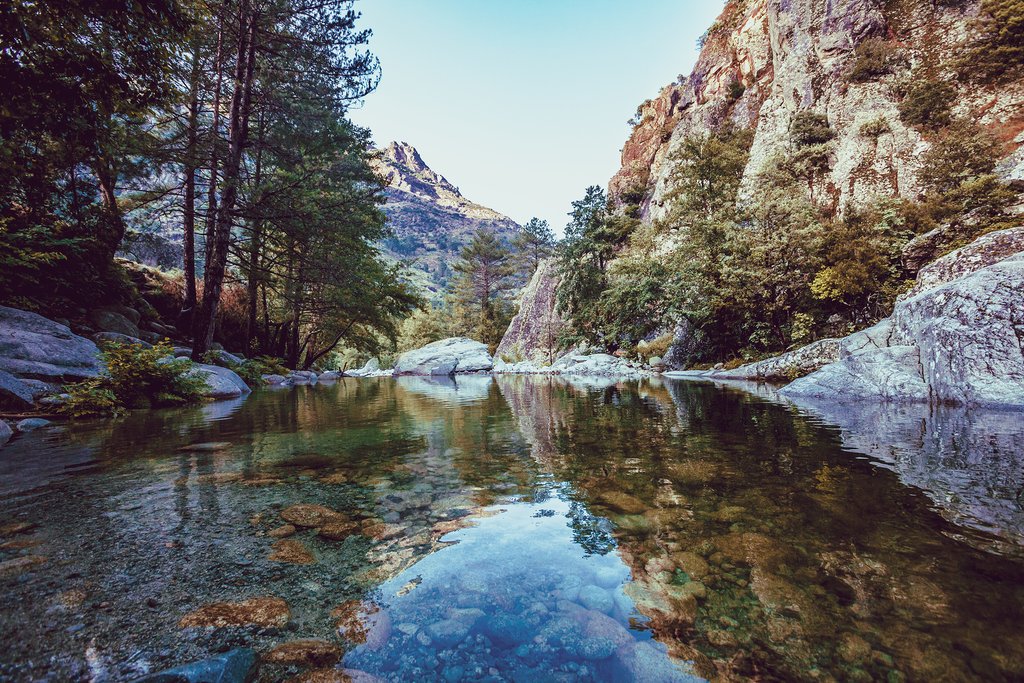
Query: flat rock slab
(318, 653)
(33, 346)
(446, 357)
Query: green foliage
(996, 51)
(873, 58)
(251, 370)
(736, 89)
(809, 129)
(876, 127)
(533, 244)
(136, 377)
(485, 271)
(927, 103)
(962, 152)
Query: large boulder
(221, 382)
(5, 432)
(600, 364)
(33, 346)
(102, 338)
(14, 393)
(111, 320)
(958, 338)
(446, 357)
(533, 333)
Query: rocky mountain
(852, 61)
(430, 218)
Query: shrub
(927, 104)
(996, 52)
(872, 58)
(736, 89)
(875, 128)
(135, 377)
(251, 370)
(809, 128)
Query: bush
(136, 377)
(251, 370)
(809, 128)
(996, 52)
(875, 128)
(928, 104)
(872, 58)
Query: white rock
(32, 346)
(221, 382)
(445, 357)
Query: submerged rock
(363, 623)
(235, 666)
(292, 552)
(265, 611)
(5, 432)
(32, 346)
(19, 565)
(445, 357)
(310, 515)
(317, 653)
(31, 423)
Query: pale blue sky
(523, 103)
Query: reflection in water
(522, 529)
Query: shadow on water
(519, 529)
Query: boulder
(596, 364)
(957, 338)
(686, 341)
(274, 379)
(111, 320)
(790, 365)
(102, 338)
(14, 393)
(533, 333)
(329, 376)
(302, 377)
(32, 346)
(221, 382)
(445, 357)
(5, 432)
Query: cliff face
(766, 60)
(430, 219)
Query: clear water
(524, 529)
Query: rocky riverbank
(956, 337)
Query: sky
(523, 103)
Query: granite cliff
(429, 217)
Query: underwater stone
(318, 653)
(265, 611)
(508, 630)
(235, 666)
(308, 515)
(596, 598)
(30, 423)
(448, 632)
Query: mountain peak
(401, 165)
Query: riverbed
(518, 529)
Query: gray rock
(875, 337)
(102, 338)
(235, 666)
(14, 393)
(981, 253)
(231, 358)
(596, 598)
(110, 320)
(5, 432)
(150, 337)
(182, 352)
(302, 377)
(329, 376)
(30, 423)
(32, 346)
(448, 632)
(274, 379)
(644, 661)
(598, 364)
(221, 382)
(128, 312)
(889, 374)
(445, 357)
(790, 365)
(533, 333)
(686, 343)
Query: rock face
(789, 366)
(958, 339)
(14, 393)
(34, 347)
(764, 61)
(533, 333)
(446, 357)
(429, 217)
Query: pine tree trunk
(189, 219)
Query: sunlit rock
(291, 551)
(318, 653)
(311, 515)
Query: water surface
(522, 529)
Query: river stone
(643, 661)
(267, 612)
(447, 633)
(508, 630)
(889, 374)
(291, 551)
(363, 623)
(372, 366)
(30, 423)
(234, 666)
(274, 380)
(221, 382)
(329, 376)
(447, 356)
(5, 432)
(32, 346)
(15, 394)
(311, 515)
(319, 653)
(109, 320)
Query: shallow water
(522, 529)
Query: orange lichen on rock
(309, 515)
(319, 653)
(291, 551)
